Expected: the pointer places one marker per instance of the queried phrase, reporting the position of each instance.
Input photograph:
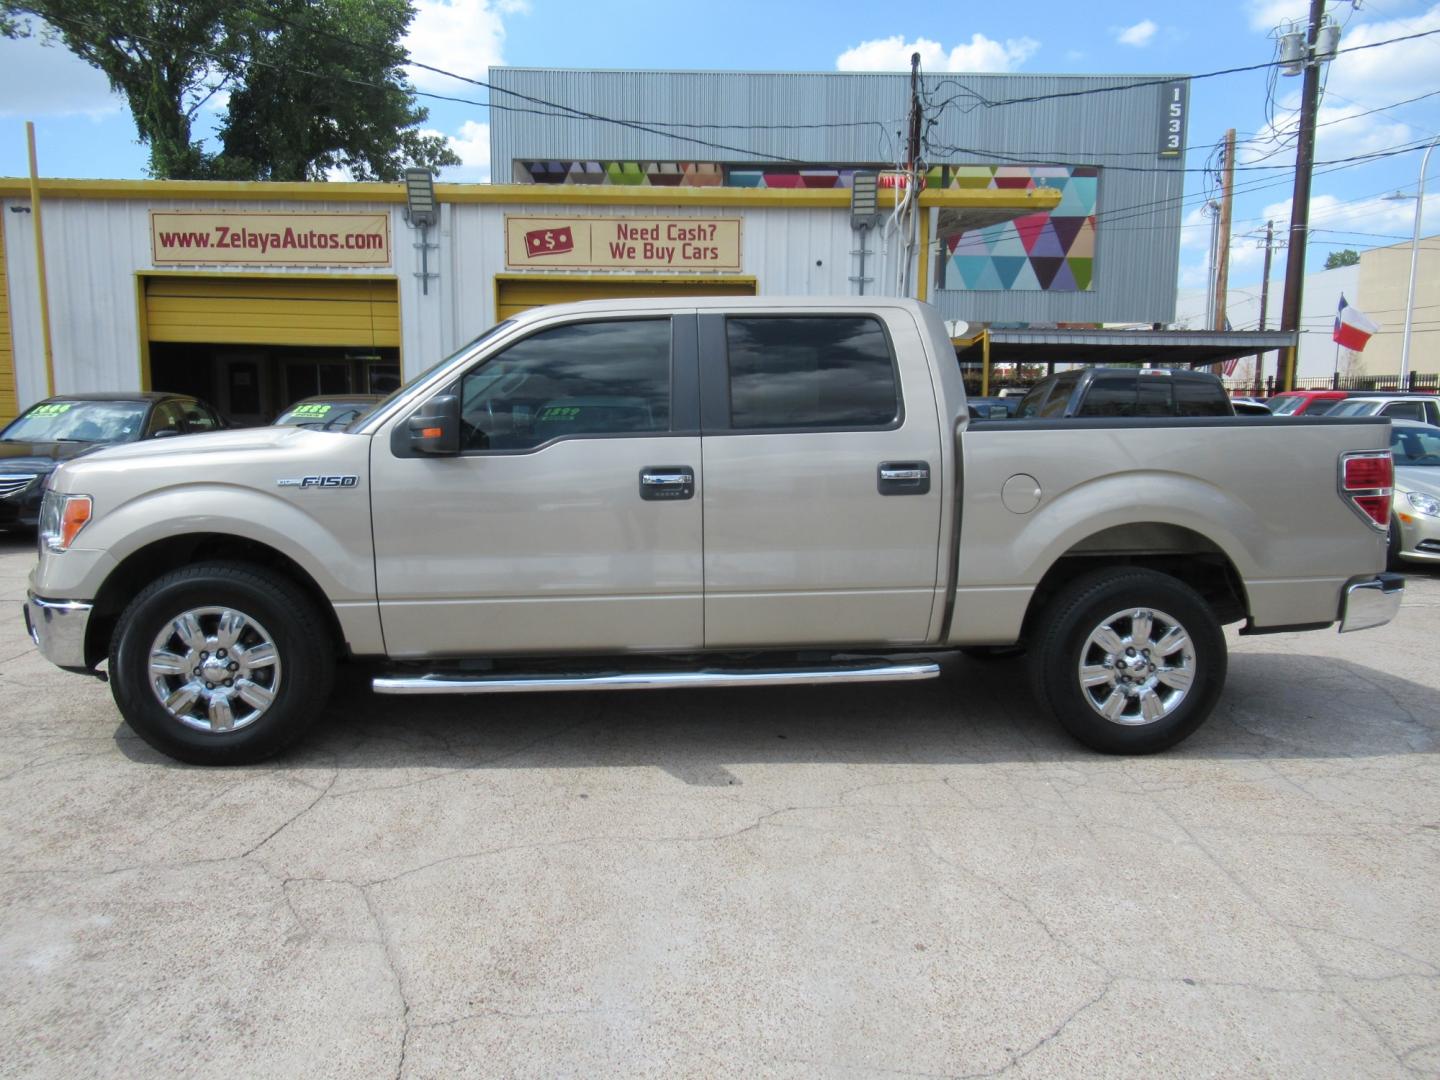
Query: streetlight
(1414, 259)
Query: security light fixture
(864, 200)
(420, 208)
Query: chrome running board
(465, 683)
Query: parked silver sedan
(1415, 512)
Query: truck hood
(41, 457)
(214, 442)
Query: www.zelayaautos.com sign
(278, 238)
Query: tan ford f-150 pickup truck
(720, 492)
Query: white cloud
(472, 146)
(1378, 215)
(1268, 14)
(979, 54)
(1391, 72)
(49, 80)
(1138, 35)
(463, 36)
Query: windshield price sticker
(53, 408)
(316, 411)
(623, 243)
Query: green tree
(1344, 257)
(321, 86)
(312, 86)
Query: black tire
(1060, 647)
(1392, 546)
(300, 635)
(992, 652)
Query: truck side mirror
(435, 428)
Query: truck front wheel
(1130, 661)
(221, 664)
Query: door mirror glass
(435, 428)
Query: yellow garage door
(9, 406)
(518, 293)
(272, 311)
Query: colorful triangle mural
(1056, 250)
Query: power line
(1191, 78)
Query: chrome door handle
(903, 478)
(663, 482)
(904, 474)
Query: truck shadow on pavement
(1276, 705)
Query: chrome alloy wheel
(1137, 666)
(214, 669)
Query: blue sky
(84, 131)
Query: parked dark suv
(1098, 391)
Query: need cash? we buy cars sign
(622, 243)
(268, 238)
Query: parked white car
(1415, 518)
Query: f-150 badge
(320, 482)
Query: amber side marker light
(431, 432)
(74, 518)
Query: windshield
(1285, 404)
(426, 373)
(79, 421)
(1415, 446)
(323, 414)
(1355, 408)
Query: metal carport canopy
(1192, 348)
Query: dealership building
(1050, 201)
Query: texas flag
(1352, 327)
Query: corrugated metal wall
(9, 404)
(96, 248)
(1139, 211)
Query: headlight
(61, 519)
(1424, 504)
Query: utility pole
(1222, 272)
(1264, 303)
(911, 222)
(912, 149)
(1300, 201)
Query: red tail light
(1369, 471)
(1367, 482)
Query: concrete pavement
(917, 880)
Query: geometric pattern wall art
(679, 174)
(1052, 251)
(1049, 252)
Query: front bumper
(58, 629)
(1371, 601)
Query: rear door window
(825, 372)
(1406, 410)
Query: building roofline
(1028, 201)
(1095, 77)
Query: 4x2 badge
(320, 482)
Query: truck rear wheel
(1130, 661)
(220, 664)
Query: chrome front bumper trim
(58, 629)
(442, 683)
(1371, 602)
